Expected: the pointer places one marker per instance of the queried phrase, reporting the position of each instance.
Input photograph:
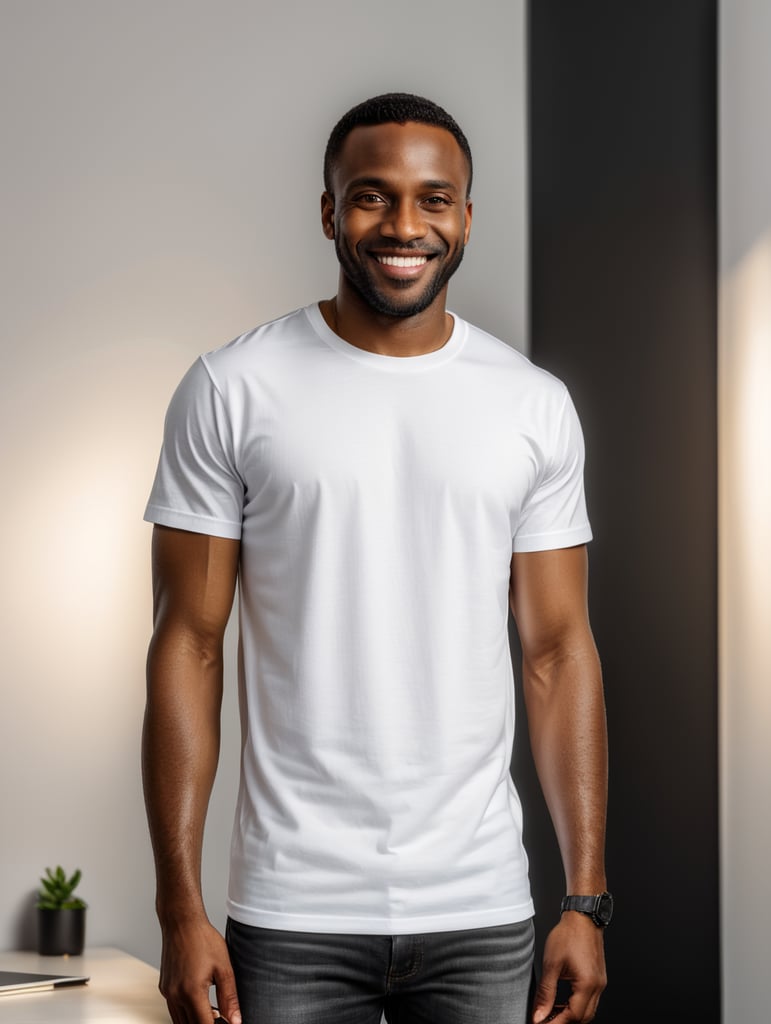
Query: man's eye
(369, 198)
(437, 201)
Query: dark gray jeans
(479, 976)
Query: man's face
(398, 214)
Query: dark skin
(194, 579)
(398, 192)
(566, 721)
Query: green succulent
(56, 893)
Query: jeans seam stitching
(417, 963)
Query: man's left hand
(574, 952)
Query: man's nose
(404, 222)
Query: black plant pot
(61, 932)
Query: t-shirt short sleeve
(554, 514)
(197, 486)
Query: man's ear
(328, 214)
(469, 211)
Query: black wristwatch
(599, 907)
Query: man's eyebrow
(370, 181)
(366, 181)
(439, 185)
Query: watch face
(604, 909)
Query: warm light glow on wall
(745, 465)
(745, 617)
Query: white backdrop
(161, 188)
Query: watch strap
(598, 907)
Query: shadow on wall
(24, 926)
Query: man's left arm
(566, 720)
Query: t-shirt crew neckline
(386, 363)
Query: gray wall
(160, 195)
(745, 505)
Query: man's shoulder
(499, 355)
(280, 336)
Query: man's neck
(357, 323)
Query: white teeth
(403, 261)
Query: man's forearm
(566, 715)
(180, 749)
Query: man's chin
(400, 311)
(401, 305)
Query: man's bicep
(194, 579)
(548, 592)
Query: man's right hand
(194, 958)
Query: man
(383, 479)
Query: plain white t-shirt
(378, 501)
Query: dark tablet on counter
(13, 982)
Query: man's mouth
(402, 261)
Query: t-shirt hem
(552, 541)
(356, 925)
(192, 522)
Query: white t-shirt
(378, 501)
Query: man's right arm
(194, 577)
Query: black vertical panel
(623, 308)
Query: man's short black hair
(392, 108)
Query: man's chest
(373, 443)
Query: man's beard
(361, 281)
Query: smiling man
(397, 205)
(383, 481)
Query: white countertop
(122, 990)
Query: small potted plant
(61, 916)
